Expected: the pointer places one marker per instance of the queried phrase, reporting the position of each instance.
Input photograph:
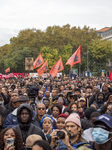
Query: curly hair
(70, 105)
(18, 143)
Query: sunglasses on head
(41, 108)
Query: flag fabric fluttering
(56, 68)
(110, 75)
(7, 70)
(42, 69)
(38, 61)
(75, 58)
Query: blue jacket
(75, 146)
(12, 120)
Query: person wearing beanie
(73, 131)
(61, 121)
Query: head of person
(31, 140)
(61, 121)
(88, 89)
(100, 98)
(46, 102)
(60, 100)
(102, 131)
(64, 93)
(47, 122)
(23, 99)
(72, 86)
(14, 97)
(41, 109)
(73, 126)
(56, 110)
(40, 94)
(82, 101)
(10, 91)
(70, 97)
(67, 111)
(14, 100)
(16, 90)
(108, 108)
(41, 145)
(61, 88)
(47, 93)
(79, 85)
(73, 106)
(105, 88)
(77, 92)
(110, 99)
(24, 114)
(54, 93)
(23, 89)
(13, 134)
(79, 107)
(94, 116)
(89, 111)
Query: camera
(60, 134)
(33, 91)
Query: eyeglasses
(41, 108)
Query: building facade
(106, 33)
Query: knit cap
(74, 117)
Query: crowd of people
(56, 113)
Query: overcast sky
(16, 15)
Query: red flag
(7, 70)
(42, 69)
(75, 58)
(56, 68)
(110, 75)
(38, 61)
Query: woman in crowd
(56, 111)
(61, 121)
(73, 106)
(47, 124)
(10, 133)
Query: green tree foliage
(50, 54)
(53, 43)
(100, 52)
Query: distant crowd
(56, 113)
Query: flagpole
(79, 70)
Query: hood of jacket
(103, 96)
(24, 106)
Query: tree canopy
(53, 43)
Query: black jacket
(9, 108)
(28, 128)
(31, 130)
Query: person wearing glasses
(102, 133)
(41, 111)
(25, 127)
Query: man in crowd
(102, 133)
(72, 136)
(39, 97)
(25, 127)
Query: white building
(106, 33)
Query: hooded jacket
(98, 105)
(11, 119)
(28, 128)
